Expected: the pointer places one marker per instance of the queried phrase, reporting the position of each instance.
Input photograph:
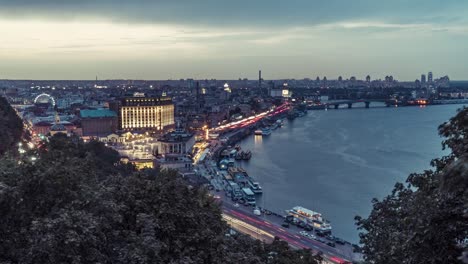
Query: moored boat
(311, 218)
(266, 132)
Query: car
(320, 234)
(311, 236)
(321, 240)
(308, 228)
(285, 224)
(340, 241)
(257, 212)
(331, 244)
(236, 205)
(303, 233)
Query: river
(336, 161)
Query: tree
(424, 221)
(76, 204)
(11, 127)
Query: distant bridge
(350, 103)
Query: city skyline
(158, 41)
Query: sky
(173, 39)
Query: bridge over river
(350, 103)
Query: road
(266, 227)
(251, 119)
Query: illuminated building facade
(145, 113)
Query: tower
(260, 79)
(429, 77)
(423, 78)
(57, 118)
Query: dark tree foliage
(77, 204)
(426, 219)
(11, 127)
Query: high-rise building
(197, 85)
(190, 84)
(423, 78)
(144, 113)
(340, 78)
(368, 78)
(429, 77)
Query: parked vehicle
(321, 240)
(331, 244)
(256, 211)
(340, 241)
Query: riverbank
(335, 162)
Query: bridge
(350, 103)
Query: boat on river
(310, 218)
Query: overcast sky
(163, 39)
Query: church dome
(58, 127)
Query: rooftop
(176, 136)
(97, 113)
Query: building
(281, 91)
(144, 113)
(429, 77)
(139, 164)
(173, 150)
(178, 142)
(57, 127)
(101, 122)
(44, 127)
(175, 162)
(368, 79)
(423, 78)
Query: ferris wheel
(44, 98)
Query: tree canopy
(426, 219)
(77, 204)
(11, 127)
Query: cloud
(212, 38)
(260, 13)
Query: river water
(336, 161)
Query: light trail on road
(251, 119)
(268, 231)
